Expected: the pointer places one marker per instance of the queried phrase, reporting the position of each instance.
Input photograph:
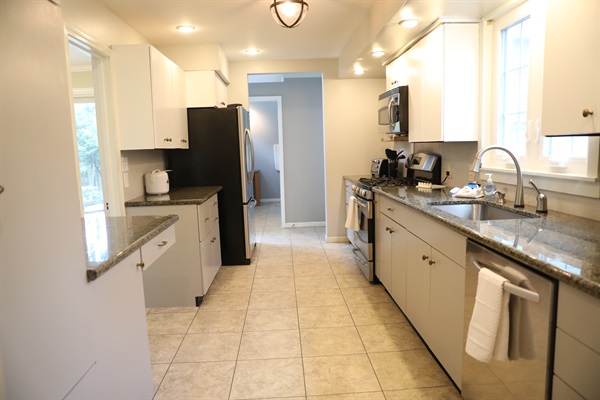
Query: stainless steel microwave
(393, 111)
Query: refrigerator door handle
(250, 172)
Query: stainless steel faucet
(476, 166)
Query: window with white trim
(516, 66)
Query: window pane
(514, 87)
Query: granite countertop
(109, 240)
(563, 246)
(176, 197)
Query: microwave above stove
(393, 112)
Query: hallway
(301, 322)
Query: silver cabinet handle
(140, 265)
(431, 262)
(163, 243)
(1, 188)
(206, 219)
(390, 209)
(213, 240)
(424, 257)
(586, 113)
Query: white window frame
(585, 181)
(110, 157)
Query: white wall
(44, 323)
(264, 124)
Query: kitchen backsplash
(141, 162)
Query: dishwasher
(525, 375)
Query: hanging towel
(490, 302)
(352, 221)
(521, 342)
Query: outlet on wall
(449, 170)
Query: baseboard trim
(303, 224)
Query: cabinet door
(204, 220)
(383, 250)
(180, 129)
(571, 78)
(210, 248)
(398, 264)
(175, 279)
(446, 313)
(417, 284)
(162, 91)
(133, 92)
(432, 67)
(415, 101)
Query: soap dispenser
(489, 189)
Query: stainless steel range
(421, 167)
(363, 239)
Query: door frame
(277, 100)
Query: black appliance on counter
(221, 154)
(424, 167)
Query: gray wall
(263, 124)
(303, 146)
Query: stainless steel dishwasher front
(518, 378)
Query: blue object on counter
(454, 190)
(472, 185)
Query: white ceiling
(344, 29)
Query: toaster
(379, 167)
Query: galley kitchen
(300, 199)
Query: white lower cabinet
(577, 347)
(121, 353)
(183, 275)
(420, 264)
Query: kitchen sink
(482, 211)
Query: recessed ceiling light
(358, 70)
(409, 23)
(252, 52)
(377, 53)
(186, 28)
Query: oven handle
(364, 204)
(360, 260)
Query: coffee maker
(425, 167)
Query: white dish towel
(489, 326)
(352, 221)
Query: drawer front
(577, 365)
(579, 315)
(389, 208)
(204, 219)
(214, 212)
(158, 246)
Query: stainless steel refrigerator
(221, 154)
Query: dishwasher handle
(509, 287)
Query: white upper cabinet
(449, 85)
(571, 79)
(150, 96)
(205, 89)
(442, 74)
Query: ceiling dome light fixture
(409, 22)
(252, 52)
(289, 13)
(377, 53)
(358, 70)
(186, 28)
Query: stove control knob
(363, 192)
(354, 188)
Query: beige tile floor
(301, 322)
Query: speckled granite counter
(176, 197)
(109, 240)
(559, 245)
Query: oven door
(363, 239)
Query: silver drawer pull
(390, 209)
(163, 243)
(213, 240)
(424, 257)
(206, 219)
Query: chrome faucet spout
(476, 166)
